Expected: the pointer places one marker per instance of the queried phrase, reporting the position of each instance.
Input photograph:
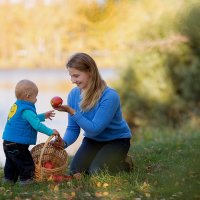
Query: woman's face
(80, 78)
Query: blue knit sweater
(104, 122)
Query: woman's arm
(103, 116)
(73, 130)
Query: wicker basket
(48, 152)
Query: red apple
(56, 101)
(57, 178)
(48, 164)
(67, 177)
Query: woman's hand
(49, 114)
(66, 108)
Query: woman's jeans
(93, 156)
(19, 162)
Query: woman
(95, 108)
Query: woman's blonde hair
(83, 62)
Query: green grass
(166, 167)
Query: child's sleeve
(41, 117)
(34, 121)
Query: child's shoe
(26, 182)
(129, 161)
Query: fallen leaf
(145, 187)
(98, 194)
(66, 196)
(147, 195)
(105, 185)
(98, 184)
(105, 193)
(56, 188)
(87, 194)
(50, 178)
(73, 194)
(52, 186)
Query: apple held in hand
(56, 101)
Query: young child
(20, 131)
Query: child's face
(33, 96)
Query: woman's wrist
(72, 111)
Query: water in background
(50, 83)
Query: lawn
(166, 166)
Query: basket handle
(42, 151)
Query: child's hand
(56, 133)
(49, 114)
(58, 141)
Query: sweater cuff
(76, 116)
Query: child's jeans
(19, 162)
(93, 156)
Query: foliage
(186, 59)
(165, 76)
(40, 34)
(189, 25)
(34, 35)
(166, 166)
